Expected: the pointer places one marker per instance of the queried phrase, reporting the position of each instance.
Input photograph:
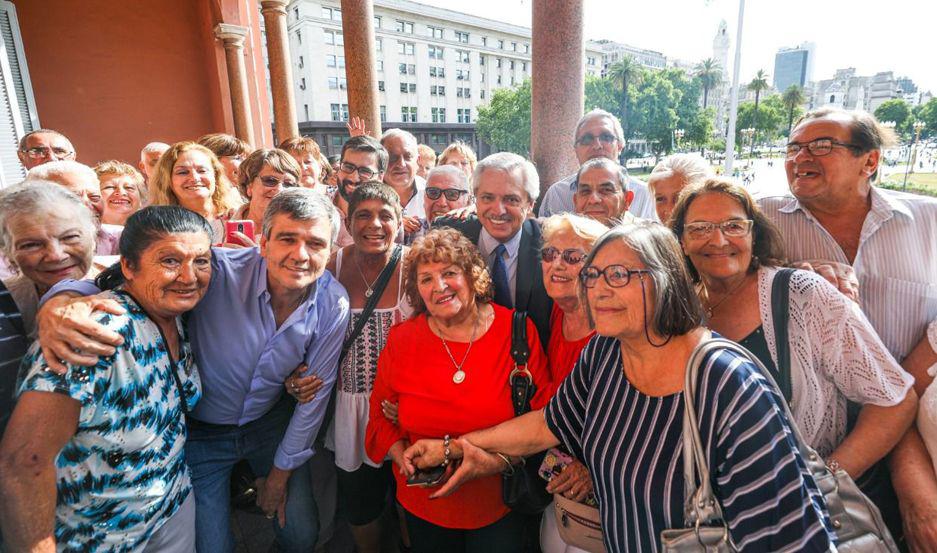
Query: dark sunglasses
(451, 194)
(273, 182)
(573, 256)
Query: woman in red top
(448, 368)
(567, 240)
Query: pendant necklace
(711, 309)
(370, 285)
(459, 376)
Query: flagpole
(734, 94)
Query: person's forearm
(27, 508)
(877, 431)
(912, 472)
(520, 436)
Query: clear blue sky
(872, 36)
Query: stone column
(281, 71)
(557, 87)
(360, 66)
(233, 37)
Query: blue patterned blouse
(123, 473)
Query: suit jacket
(529, 295)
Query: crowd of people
(347, 333)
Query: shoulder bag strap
(780, 310)
(377, 292)
(10, 310)
(522, 382)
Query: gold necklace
(459, 376)
(711, 309)
(370, 291)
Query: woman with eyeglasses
(831, 356)
(621, 408)
(263, 175)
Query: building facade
(793, 66)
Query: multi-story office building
(434, 68)
(793, 66)
(614, 51)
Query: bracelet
(833, 465)
(510, 467)
(445, 451)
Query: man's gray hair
(691, 167)
(22, 144)
(616, 124)
(38, 198)
(302, 204)
(609, 164)
(154, 147)
(399, 133)
(508, 162)
(55, 169)
(448, 171)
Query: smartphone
(245, 227)
(426, 478)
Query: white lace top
(927, 408)
(835, 356)
(356, 378)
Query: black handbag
(522, 489)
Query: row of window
(408, 114)
(340, 83)
(333, 60)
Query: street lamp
(918, 126)
(749, 134)
(678, 134)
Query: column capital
(273, 6)
(232, 35)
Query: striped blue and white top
(13, 344)
(632, 445)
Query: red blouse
(562, 354)
(415, 371)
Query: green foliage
(602, 93)
(655, 111)
(896, 110)
(771, 114)
(709, 73)
(793, 100)
(626, 72)
(505, 121)
(928, 114)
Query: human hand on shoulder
(69, 334)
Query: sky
(870, 35)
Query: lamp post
(891, 126)
(918, 126)
(678, 134)
(749, 135)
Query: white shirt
(896, 262)
(487, 244)
(414, 207)
(559, 198)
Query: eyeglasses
(616, 276)
(819, 147)
(589, 139)
(451, 194)
(573, 256)
(363, 172)
(732, 227)
(39, 152)
(273, 182)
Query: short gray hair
(508, 162)
(56, 169)
(448, 171)
(37, 198)
(154, 147)
(691, 167)
(399, 133)
(302, 204)
(611, 165)
(616, 124)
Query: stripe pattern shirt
(123, 474)
(13, 344)
(896, 262)
(632, 446)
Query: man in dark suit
(505, 187)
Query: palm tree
(793, 97)
(627, 72)
(758, 84)
(709, 73)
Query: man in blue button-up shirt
(266, 312)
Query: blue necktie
(499, 274)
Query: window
(514, 46)
(461, 37)
(500, 44)
(524, 66)
(512, 80)
(481, 60)
(299, 36)
(482, 77)
(439, 115)
(481, 94)
(590, 60)
(330, 60)
(437, 90)
(379, 42)
(498, 63)
(527, 48)
(383, 113)
(437, 71)
(463, 92)
(380, 86)
(404, 26)
(484, 41)
(339, 112)
(405, 48)
(333, 82)
(511, 64)
(464, 115)
(305, 106)
(329, 36)
(462, 74)
(408, 114)
(335, 14)
(301, 62)
(296, 16)
(499, 79)
(336, 140)
(462, 56)
(434, 32)
(439, 138)
(377, 22)
(435, 52)
(407, 69)
(408, 88)
(380, 65)
(327, 14)
(341, 61)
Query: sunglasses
(589, 139)
(573, 256)
(451, 194)
(273, 182)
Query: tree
(626, 72)
(792, 99)
(505, 121)
(771, 115)
(709, 73)
(896, 110)
(655, 111)
(601, 93)
(928, 114)
(758, 85)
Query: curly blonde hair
(161, 192)
(446, 246)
